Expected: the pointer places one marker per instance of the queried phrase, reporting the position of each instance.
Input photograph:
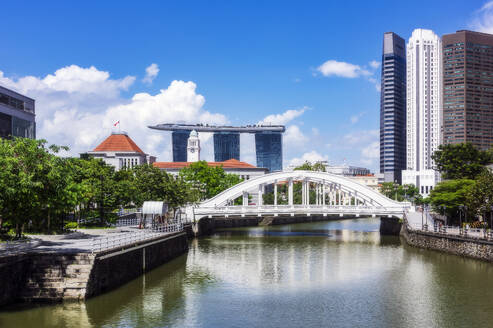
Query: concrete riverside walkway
(82, 240)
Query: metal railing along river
(486, 234)
(128, 238)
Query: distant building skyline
(393, 108)
(268, 142)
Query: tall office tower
(393, 108)
(179, 140)
(468, 88)
(268, 146)
(17, 117)
(226, 146)
(424, 89)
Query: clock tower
(193, 147)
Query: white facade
(424, 88)
(193, 147)
(366, 180)
(122, 160)
(425, 180)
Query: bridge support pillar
(245, 198)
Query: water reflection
(339, 274)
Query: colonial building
(120, 151)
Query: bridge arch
(335, 194)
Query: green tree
(208, 181)
(448, 195)
(307, 166)
(460, 161)
(27, 178)
(407, 192)
(480, 196)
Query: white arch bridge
(334, 195)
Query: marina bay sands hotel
(268, 142)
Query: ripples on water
(323, 274)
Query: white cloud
(371, 152)
(77, 107)
(151, 73)
(86, 90)
(294, 137)
(342, 69)
(311, 157)
(284, 118)
(359, 138)
(178, 103)
(374, 64)
(355, 118)
(483, 18)
(376, 83)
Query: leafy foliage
(307, 166)
(460, 161)
(480, 196)
(39, 190)
(448, 195)
(207, 181)
(401, 192)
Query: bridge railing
(284, 209)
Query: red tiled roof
(229, 164)
(118, 142)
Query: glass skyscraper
(268, 146)
(393, 108)
(226, 146)
(179, 140)
(17, 117)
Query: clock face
(192, 150)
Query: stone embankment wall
(462, 246)
(57, 276)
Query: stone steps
(58, 276)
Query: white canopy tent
(153, 209)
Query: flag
(117, 122)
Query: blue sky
(246, 60)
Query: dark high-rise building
(17, 117)
(226, 146)
(268, 146)
(393, 108)
(179, 140)
(467, 114)
(268, 141)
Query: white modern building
(120, 151)
(424, 89)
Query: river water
(323, 274)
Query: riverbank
(471, 247)
(58, 274)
